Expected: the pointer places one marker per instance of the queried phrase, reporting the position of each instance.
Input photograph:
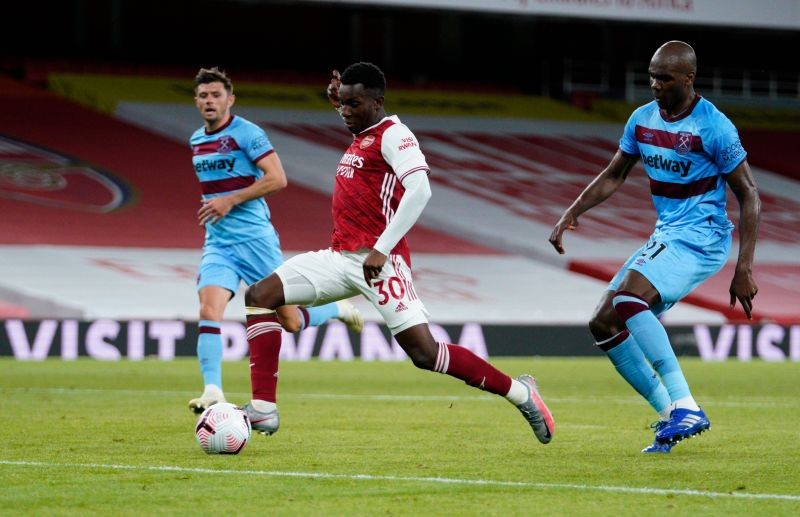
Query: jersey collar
(223, 126)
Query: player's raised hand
(333, 89)
(744, 289)
(567, 222)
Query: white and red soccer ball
(223, 429)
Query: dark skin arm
(743, 286)
(600, 189)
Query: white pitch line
(757, 402)
(412, 479)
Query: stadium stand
(111, 233)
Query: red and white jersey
(368, 188)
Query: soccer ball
(223, 429)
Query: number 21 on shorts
(653, 248)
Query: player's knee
(603, 325)
(423, 359)
(207, 312)
(291, 325)
(255, 296)
(419, 346)
(249, 296)
(267, 293)
(423, 362)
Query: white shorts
(324, 276)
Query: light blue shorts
(677, 261)
(248, 261)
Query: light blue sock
(652, 338)
(209, 352)
(631, 364)
(319, 315)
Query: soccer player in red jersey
(380, 190)
(236, 166)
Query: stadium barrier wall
(113, 340)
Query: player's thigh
(392, 293)
(213, 300)
(314, 278)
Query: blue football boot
(683, 423)
(657, 446)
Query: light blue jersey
(225, 161)
(686, 159)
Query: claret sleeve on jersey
(401, 151)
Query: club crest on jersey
(683, 145)
(225, 144)
(367, 141)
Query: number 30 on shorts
(392, 287)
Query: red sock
(264, 338)
(461, 363)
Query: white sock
(664, 413)
(263, 406)
(687, 403)
(518, 393)
(212, 390)
(344, 309)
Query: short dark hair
(213, 75)
(367, 74)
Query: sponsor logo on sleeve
(733, 152)
(407, 143)
(258, 143)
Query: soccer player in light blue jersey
(237, 166)
(690, 152)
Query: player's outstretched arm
(743, 286)
(600, 189)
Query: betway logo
(659, 162)
(221, 164)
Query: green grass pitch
(362, 438)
